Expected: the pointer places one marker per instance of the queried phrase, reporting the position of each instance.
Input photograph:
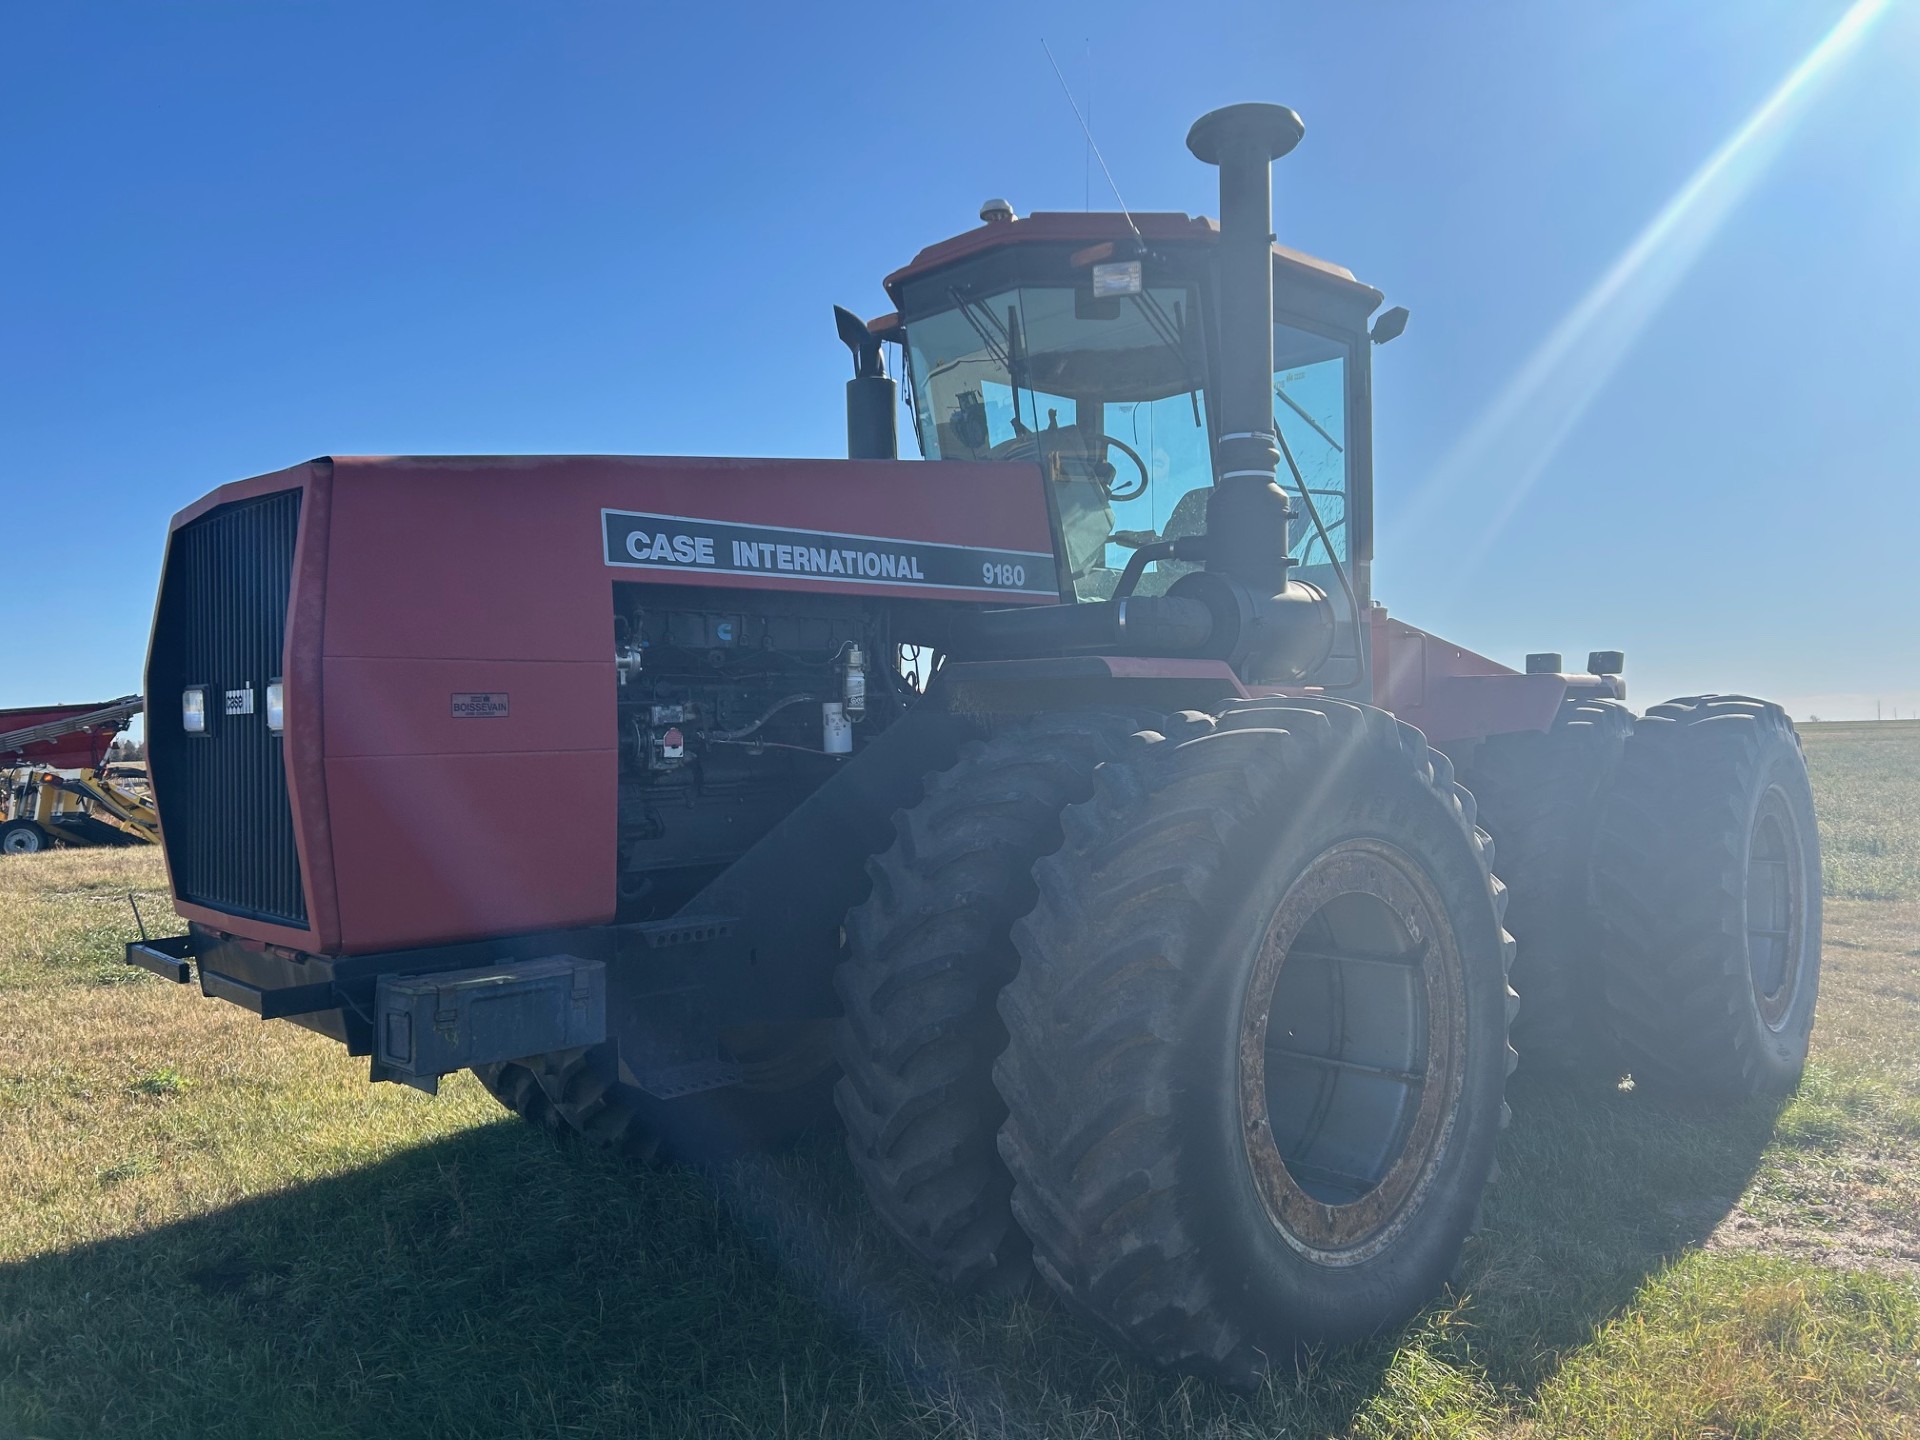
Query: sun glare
(1516, 437)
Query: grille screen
(222, 624)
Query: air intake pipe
(1248, 514)
(1243, 607)
(1279, 640)
(1137, 625)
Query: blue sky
(235, 236)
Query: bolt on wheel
(1257, 1041)
(1776, 909)
(1351, 1050)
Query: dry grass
(126, 1103)
(1843, 1183)
(211, 1227)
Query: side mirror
(969, 421)
(1389, 326)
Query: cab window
(1106, 396)
(1310, 415)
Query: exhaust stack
(1248, 513)
(873, 398)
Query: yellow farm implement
(60, 790)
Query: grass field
(212, 1228)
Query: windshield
(1105, 395)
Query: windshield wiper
(1000, 342)
(1294, 405)
(973, 312)
(1172, 332)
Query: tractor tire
(1539, 796)
(927, 953)
(1706, 881)
(578, 1093)
(23, 837)
(1257, 1042)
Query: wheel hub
(1776, 909)
(1352, 1051)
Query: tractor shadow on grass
(1598, 1189)
(497, 1283)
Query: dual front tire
(1251, 1038)
(1258, 1039)
(927, 955)
(1540, 795)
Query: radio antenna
(1091, 143)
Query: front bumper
(418, 1014)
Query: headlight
(193, 709)
(1116, 277)
(276, 707)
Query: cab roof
(1091, 227)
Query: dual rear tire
(1666, 883)
(1706, 889)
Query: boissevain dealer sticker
(480, 705)
(713, 547)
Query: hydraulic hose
(746, 730)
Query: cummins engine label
(714, 547)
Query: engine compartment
(733, 706)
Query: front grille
(222, 623)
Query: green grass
(211, 1228)
(1867, 778)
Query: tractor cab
(1088, 344)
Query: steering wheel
(1106, 472)
(1031, 443)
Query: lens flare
(1519, 433)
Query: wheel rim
(1352, 1049)
(23, 842)
(1776, 909)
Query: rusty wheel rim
(1775, 909)
(1352, 1049)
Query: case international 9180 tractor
(1065, 794)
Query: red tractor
(1066, 792)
